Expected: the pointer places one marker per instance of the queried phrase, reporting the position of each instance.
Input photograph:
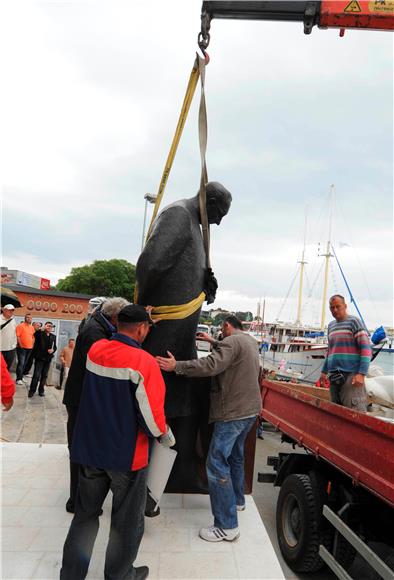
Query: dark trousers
(9, 356)
(23, 354)
(348, 395)
(127, 523)
(61, 377)
(29, 362)
(41, 368)
(72, 413)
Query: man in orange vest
(25, 337)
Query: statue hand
(210, 286)
(167, 364)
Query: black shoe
(260, 437)
(41, 394)
(150, 511)
(30, 394)
(70, 507)
(141, 572)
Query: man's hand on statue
(149, 311)
(205, 337)
(167, 364)
(358, 380)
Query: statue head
(218, 202)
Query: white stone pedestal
(35, 524)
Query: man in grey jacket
(234, 404)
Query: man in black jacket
(44, 349)
(102, 324)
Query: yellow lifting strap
(187, 101)
(184, 310)
(198, 70)
(177, 312)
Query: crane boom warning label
(353, 6)
(382, 6)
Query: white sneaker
(20, 382)
(241, 508)
(215, 534)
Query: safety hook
(203, 42)
(204, 36)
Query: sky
(93, 94)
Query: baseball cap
(9, 307)
(133, 313)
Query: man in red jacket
(121, 408)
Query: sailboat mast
(327, 255)
(302, 266)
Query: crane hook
(203, 36)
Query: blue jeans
(225, 470)
(127, 523)
(22, 354)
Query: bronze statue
(172, 271)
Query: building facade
(64, 309)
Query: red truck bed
(358, 444)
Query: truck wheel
(298, 515)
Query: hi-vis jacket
(122, 404)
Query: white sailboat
(294, 353)
(297, 351)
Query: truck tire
(298, 517)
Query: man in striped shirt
(348, 357)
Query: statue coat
(170, 271)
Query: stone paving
(35, 420)
(35, 523)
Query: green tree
(102, 278)
(205, 320)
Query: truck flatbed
(358, 444)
